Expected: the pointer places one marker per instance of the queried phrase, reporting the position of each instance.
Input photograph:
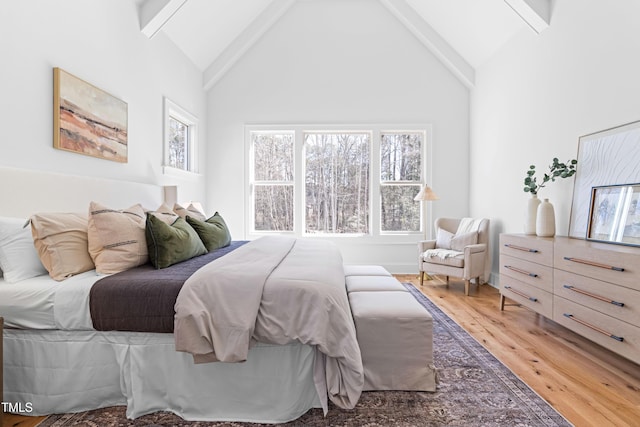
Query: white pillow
(8, 225)
(18, 256)
(459, 242)
(443, 239)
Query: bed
(57, 360)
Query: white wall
(539, 94)
(333, 62)
(100, 42)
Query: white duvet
(275, 290)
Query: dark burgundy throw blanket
(142, 299)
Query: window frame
(423, 170)
(253, 183)
(176, 112)
(376, 131)
(341, 130)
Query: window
(273, 162)
(180, 135)
(337, 182)
(400, 180)
(323, 181)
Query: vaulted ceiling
(461, 33)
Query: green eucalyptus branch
(556, 170)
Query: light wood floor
(584, 382)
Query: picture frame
(88, 120)
(608, 157)
(614, 214)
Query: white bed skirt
(74, 371)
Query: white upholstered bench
(365, 270)
(394, 331)
(373, 283)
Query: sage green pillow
(171, 244)
(213, 232)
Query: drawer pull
(595, 328)
(521, 294)
(594, 264)
(517, 270)
(521, 248)
(589, 294)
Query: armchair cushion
(459, 241)
(444, 257)
(443, 239)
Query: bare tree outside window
(180, 139)
(337, 182)
(400, 180)
(178, 144)
(273, 180)
(333, 193)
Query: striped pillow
(116, 238)
(61, 242)
(190, 210)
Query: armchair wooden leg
(466, 287)
(421, 277)
(501, 302)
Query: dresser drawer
(534, 274)
(529, 296)
(530, 248)
(613, 334)
(612, 263)
(615, 301)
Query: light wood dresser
(591, 288)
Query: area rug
(474, 389)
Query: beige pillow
(459, 241)
(61, 242)
(443, 239)
(165, 214)
(190, 210)
(116, 238)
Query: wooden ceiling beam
(153, 14)
(245, 40)
(536, 13)
(432, 40)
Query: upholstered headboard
(24, 192)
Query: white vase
(531, 214)
(546, 220)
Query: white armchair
(457, 251)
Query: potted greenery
(556, 170)
(546, 222)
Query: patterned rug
(474, 389)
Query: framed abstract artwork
(606, 158)
(88, 120)
(614, 214)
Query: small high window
(179, 138)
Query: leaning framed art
(88, 120)
(614, 214)
(609, 157)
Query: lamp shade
(426, 194)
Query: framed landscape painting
(614, 214)
(88, 120)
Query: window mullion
(299, 199)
